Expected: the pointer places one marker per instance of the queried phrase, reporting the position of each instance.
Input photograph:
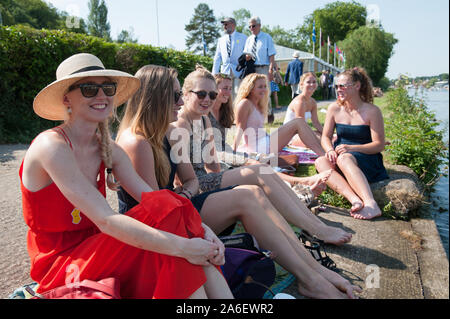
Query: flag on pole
(314, 37)
(314, 32)
(334, 54)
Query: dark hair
(226, 112)
(358, 74)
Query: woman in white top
(304, 106)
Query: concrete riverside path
(378, 259)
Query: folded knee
(249, 195)
(345, 158)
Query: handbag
(108, 288)
(249, 273)
(242, 240)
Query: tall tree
(98, 24)
(202, 30)
(242, 16)
(127, 36)
(286, 38)
(370, 48)
(336, 19)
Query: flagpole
(157, 21)
(314, 38)
(334, 54)
(320, 44)
(328, 50)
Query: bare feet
(341, 284)
(370, 211)
(317, 183)
(318, 189)
(320, 289)
(333, 235)
(356, 207)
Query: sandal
(315, 247)
(304, 193)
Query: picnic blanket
(305, 155)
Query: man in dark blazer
(293, 73)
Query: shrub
(29, 59)
(416, 140)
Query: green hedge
(415, 136)
(29, 59)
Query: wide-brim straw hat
(48, 104)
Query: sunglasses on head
(177, 96)
(90, 90)
(202, 94)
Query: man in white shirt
(261, 46)
(229, 48)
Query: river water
(438, 101)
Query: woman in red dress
(159, 249)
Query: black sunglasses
(202, 94)
(177, 96)
(343, 86)
(90, 90)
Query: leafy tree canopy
(370, 48)
(98, 24)
(37, 14)
(337, 19)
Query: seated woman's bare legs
(297, 141)
(317, 182)
(200, 293)
(358, 181)
(285, 201)
(283, 135)
(216, 287)
(338, 183)
(250, 205)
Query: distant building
(441, 83)
(310, 63)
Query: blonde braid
(106, 154)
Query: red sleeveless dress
(65, 246)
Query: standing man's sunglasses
(90, 90)
(202, 94)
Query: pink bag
(108, 288)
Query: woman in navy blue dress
(360, 129)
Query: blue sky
(422, 27)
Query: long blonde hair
(246, 87)
(148, 113)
